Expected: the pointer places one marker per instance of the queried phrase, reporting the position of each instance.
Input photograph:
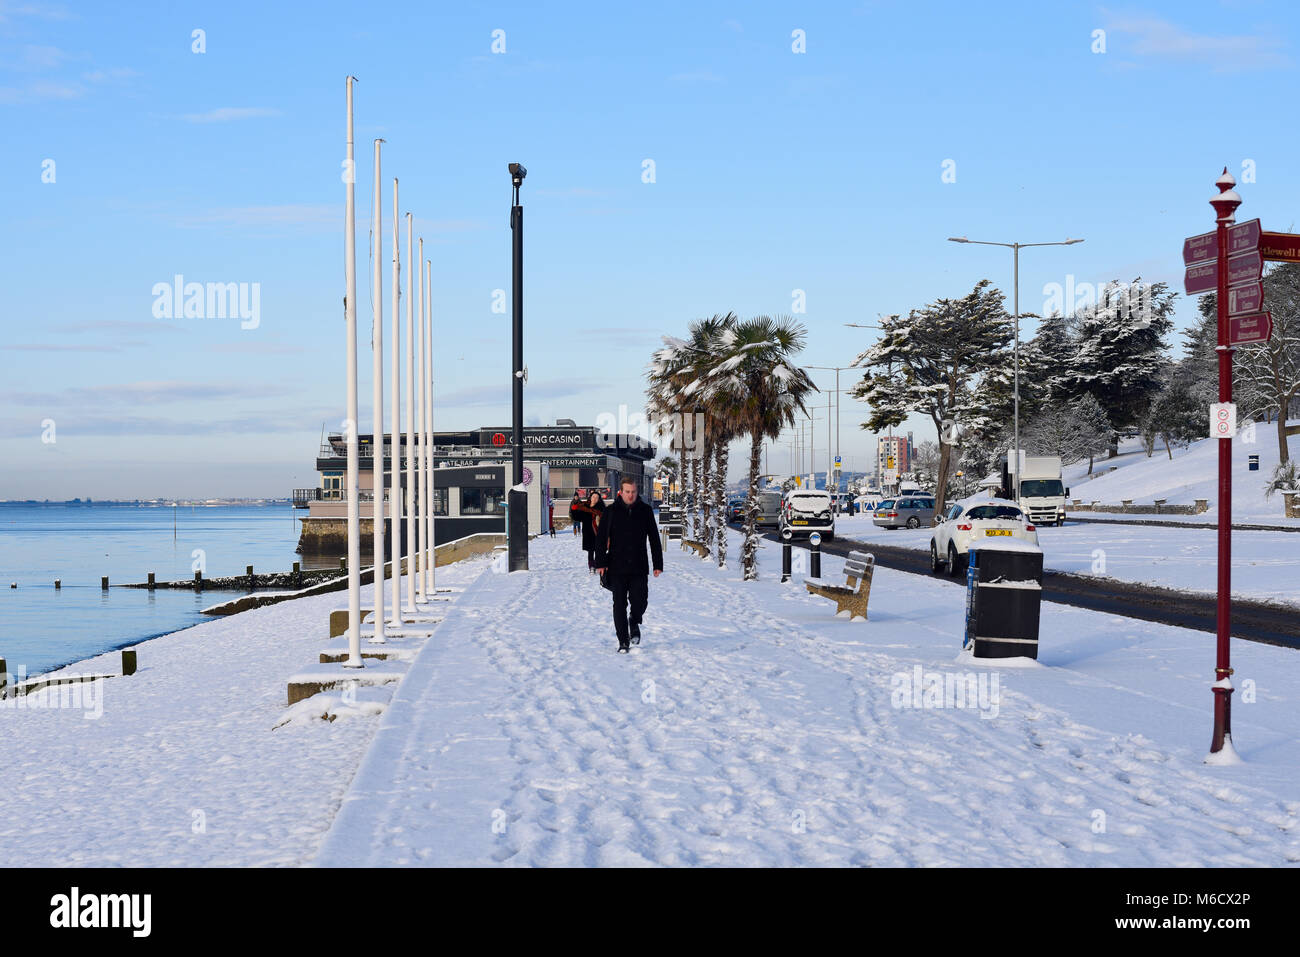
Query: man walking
(621, 559)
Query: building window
(482, 501)
(439, 501)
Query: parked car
(769, 507)
(804, 511)
(736, 510)
(975, 519)
(911, 511)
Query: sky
(684, 159)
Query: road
(1252, 620)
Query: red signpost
(1225, 208)
(1243, 330)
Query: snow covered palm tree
(766, 390)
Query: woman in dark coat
(589, 514)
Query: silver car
(912, 511)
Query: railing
(303, 497)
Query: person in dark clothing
(589, 514)
(620, 554)
(575, 519)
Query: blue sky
(775, 171)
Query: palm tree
(766, 391)
(676, 375)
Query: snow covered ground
(1192, 474)
(184, 765)
(754, 728)
(751, 727)
(1265, 565)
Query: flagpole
(353, 470)
(377, 372)
(410, 418)
(395, 429)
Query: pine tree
(1121, 357)
(932, 362)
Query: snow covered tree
(1046, 364)
(1267, 374)
(1177, 416)
(932, 361)
(1121, 358)
(1072, 430)
(764, 392)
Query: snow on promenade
(182, 766)
(753, 728)
(750, 728)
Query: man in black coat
(620, 555)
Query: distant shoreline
(152, 503)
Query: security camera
(517, 173)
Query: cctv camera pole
(517, 533)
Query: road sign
(1280, 247)
(1245, 268)
(1246, 329)
(1223, 420)
(837, 460)
(1244, 237)
(1201, 279)
(1245, 299)
(1200, 248)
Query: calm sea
(42, 628)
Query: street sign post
(1223, 420)
(1280, 247)
(1200, 248)
(1246, 267)
(1243, 330)
(1201, 278)
(1245, 299)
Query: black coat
(588, 531)
(621, 539)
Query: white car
(804, 511)
(976, 519)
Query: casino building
(471, 474)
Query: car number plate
(800, 521)
(996, 531)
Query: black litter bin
(1253, 464)
(1004, 590)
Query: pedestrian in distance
(589, 515)
(575, 520)
(624, 530)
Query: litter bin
(1254, 463)
(1004, 590)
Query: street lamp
(1015, 248)
(517, 502)
(836, 370)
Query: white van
(804, 511)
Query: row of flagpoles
(419, 419)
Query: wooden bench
(853, 594)
(700, 548)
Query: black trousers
(633, 588)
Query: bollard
(151, 581)
(815, 557)
(343, 564)
(252, 581)
(103, 583)
(664, 535)
(128, 662)
(198, 581)
(58, 583)
(297, 573)
(785, 556)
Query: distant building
(893, 458)
(558, 460)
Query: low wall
(444, 554)
(1129, 508)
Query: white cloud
(1154, 37)
(225, 114)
